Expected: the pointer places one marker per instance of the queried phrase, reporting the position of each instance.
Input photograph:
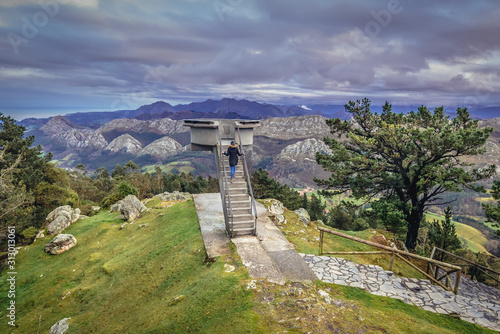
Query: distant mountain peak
(58, 124)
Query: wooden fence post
(321, 233)
(392, 261)
(457, 281)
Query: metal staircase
(237, 197)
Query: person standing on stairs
(233, 153)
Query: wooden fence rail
(486, 271)
(399, 254)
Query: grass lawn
(152, 279)
(155, 279)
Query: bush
(29, 234)
(86, 209)
(109, 200)
(125, 189)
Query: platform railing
(224, 191)
(245, 166)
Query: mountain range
(155, 134)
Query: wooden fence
(396, 253)
(490, 273)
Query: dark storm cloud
(324, 51)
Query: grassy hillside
(472, 237)
(135, 280)
(154, 279)
(180, 166)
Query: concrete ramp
(257, 261)
(282, 252)
(211, 220)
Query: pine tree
(442, 234)
(305, 202)
(316, 209)
(415, 156)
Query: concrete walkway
(268, 255)
(475, 302)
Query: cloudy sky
(60, 56)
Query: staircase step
(237, 197)
(239, 204)
(238, 191)
(241, 211)
(247, 224)
(243, 233)
(241, 218)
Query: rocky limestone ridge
(293, 127)
(163, 148)
(57, 125)
(164, 126)
(305, 149)
(126, 143)
(78, 139)
(296, 164)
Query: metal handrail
(221, 159)
(248, 175)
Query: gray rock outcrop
(60, 218)
(79, 139)
(293, 127)
(58, 124)
(132, 208)
(277, 209)
(305, 149)
(125, 143)
(60, 327)
(174, 196)
(303, 216)
(164, 126)
(162, 148)
(72, 135)
(39, 235)
(60, 243)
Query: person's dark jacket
(233, 153)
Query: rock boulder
(174, 196)
(303, 216)
(60, 243)
(60, 327)
(60, 218)
(275, 207)
(132, 208)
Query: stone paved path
(475, 302)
